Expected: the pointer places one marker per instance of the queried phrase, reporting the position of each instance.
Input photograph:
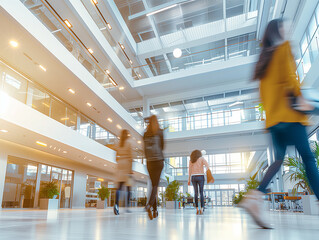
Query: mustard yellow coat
(279, 80)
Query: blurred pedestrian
(276, 70)
(153, 147)
(124, 168)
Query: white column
(146, 107)
(79, 190)
(3, 169)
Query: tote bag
(210, 178)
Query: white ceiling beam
(159, 7)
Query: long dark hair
(195, 155)
(153, 126)
(269, 43)
(124, 136)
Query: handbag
(210, 178)
(310, 96)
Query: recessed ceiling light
(177, 52)
(3, 130)
(71, 90)
(107, 71)
(14, 43)
(41, 143)
(121, 88)
(122, 46)
(109, 26)
(118, 126)
(50, 146)
(94, 2)
(59, 150)
(89, 104)
(105, 165)
(90, 50)
(43, 68)
(128, 135)
(142, 177)
(65, 118)
(69, 25)
(90, 160)
(139, 75)
(110, 119)
(131, 62)
(65, 152)
(139, 142)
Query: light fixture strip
(59, 18)
(161, 10)
(130, 61)
(103, 19)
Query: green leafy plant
(180, 197)
(261, 111)
(171, 192)
(103, 193)
(49, 190)
(297, 171)
(188, 195)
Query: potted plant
(48, 195)
(103, 194)
(297, 175)
(171, 193)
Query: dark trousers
(198, 183)
(154, 169)
(118, 191)
(284, 134)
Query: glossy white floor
(217, 223)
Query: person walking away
(196, 175)
(124, 168)
(276, 70)
(153, 148)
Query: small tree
(103, 193)
(49, 190)
(171, 192)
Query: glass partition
(20, 184)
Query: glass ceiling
(185, 14)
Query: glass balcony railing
(216, 118)
(240, 46)
(62, 30)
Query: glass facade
(25, 179)
(308, 46)
(225, 163)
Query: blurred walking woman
(153, 147)
(276, 70)
(124, 167)
(196, 175)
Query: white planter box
(101, 204)
(49, 204)
(310, 205)
(171, 204)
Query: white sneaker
(253, 204)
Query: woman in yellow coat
(276, 71)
